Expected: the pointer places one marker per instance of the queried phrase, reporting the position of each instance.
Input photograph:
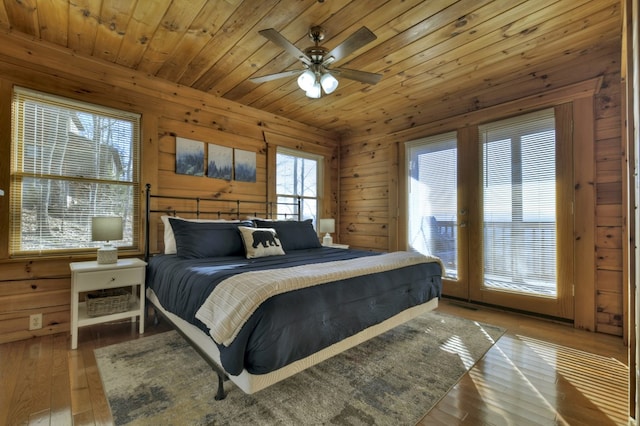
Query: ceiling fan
(316, 73)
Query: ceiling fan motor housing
(316, 53)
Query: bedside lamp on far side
(327, 226)
(106, 228)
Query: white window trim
(319, 178)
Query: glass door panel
(519, 213)
(523, 199)
(432, 164)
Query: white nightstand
(90, 276)
(340, 246)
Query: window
(433, 198)
(70, 161)
(519, 186)
(298, 177)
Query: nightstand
(91, 276)
(339, 246)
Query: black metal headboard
(242, 208)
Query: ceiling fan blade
(361, 76)
(269, 77)
(277, 38)
(354, 42)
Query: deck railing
(520, 253)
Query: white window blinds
(519, 194)
(433, 198)
(70, 161)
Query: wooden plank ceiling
(438, 58)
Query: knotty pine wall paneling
(42, 285)
(609, 197)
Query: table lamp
(328, 226)
(106, 228)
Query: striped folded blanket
(235, 299)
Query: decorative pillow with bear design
(260, 242)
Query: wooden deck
(538, 373)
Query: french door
(436, 219)
(494, 203)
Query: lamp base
(327, 240)
(107, 254)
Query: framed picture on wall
(220, 162)
(189, 157)
(245, 165)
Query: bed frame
(207, 206)
(206, 347)
(217, 208)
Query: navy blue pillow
(207, 239)
(293, 235)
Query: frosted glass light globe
(329, 83)
(306, 80)
(314, 91)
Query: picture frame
(245, 165)
(219, 162)
(189, 157)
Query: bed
(261, 300)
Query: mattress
(295, 325)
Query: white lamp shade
(106, 228)
(329, 83)
(306, 80)
(315, 91)
(328, 225)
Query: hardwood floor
(539, 373)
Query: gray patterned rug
(393, 379)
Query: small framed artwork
(245, 165)
(189, 157)
(220, 163)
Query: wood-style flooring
(539, 373)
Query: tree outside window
(70, 161)
(297, 178)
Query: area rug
(393, 379)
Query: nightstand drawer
(109, 279)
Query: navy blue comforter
(292, 325)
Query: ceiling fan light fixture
(329, 83)
(316, 77)
(306, 80)
(314, 92)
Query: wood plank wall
(368, 205)
(42, 285)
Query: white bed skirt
(251, 383)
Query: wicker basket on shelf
(107, 302)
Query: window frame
(518, 220)
(319, 159)
(129, 186)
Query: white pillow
(170, 240)
(260, 242)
